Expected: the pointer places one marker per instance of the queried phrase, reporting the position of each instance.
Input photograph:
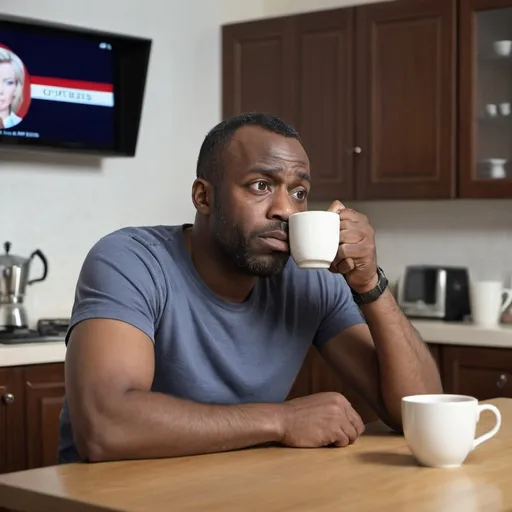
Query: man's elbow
(96, 441)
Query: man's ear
(202, 196)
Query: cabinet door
(485, 114)
(12, 448)
(44, 396)
(323, 378)
(406, 99)
(480, 372)
(325, 98)
(258, 68)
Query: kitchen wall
(62, 205)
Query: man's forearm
(149, 425)
(405, 362)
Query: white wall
(63, 205)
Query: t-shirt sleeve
(121, 280)
(339, 311)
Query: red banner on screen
(71, 91)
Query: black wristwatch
(366, 298)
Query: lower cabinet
(481, 372)
(31, 399)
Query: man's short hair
(210, 163)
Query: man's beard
(235, 247)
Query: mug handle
(491, 433)
(507, 293)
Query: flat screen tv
(71, 89)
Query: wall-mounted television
(70, 89)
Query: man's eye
(260, 186)
(300, 195)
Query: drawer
(480, 372)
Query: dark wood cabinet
(481, 372)
(12, 426)
(406, 96)
(258, 65)
(485, 82)
(406, 99)
(371, 89)
(31, 399)
(324, 91)
(44, 396)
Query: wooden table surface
(376, 473)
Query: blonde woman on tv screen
(12, 78)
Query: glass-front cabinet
(485, 108)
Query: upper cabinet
(257, 68)
(324, 94)
(485, 114)
(299, 68)
(403, 99)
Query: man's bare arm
(109, 372)
(384, 360)
(115, 415)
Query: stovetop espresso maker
(14, 279)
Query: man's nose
(282, 205)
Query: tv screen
(70, 88)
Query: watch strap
(372, 295)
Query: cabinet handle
(502, 381)
(358, 150)
(8, 398)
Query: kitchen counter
(460, 333)
(432, 331)
(32, 353)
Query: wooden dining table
(378, 472)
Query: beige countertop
(32, 353)
(431, 331)
(459, 333)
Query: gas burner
(47, 330)
(18, 332)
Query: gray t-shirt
(207, 349)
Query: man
(187, 339)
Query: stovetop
(47, 331)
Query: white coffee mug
(440, 429)
(314, 238)
(487, 302)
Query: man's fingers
(357, 422)
(336, 207)
(342, 440)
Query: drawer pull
(502, 381)
(8, 398)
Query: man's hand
(357, 257)
(321, 419)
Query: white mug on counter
(488, 301)
(440, 429)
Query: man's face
(266, 179)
